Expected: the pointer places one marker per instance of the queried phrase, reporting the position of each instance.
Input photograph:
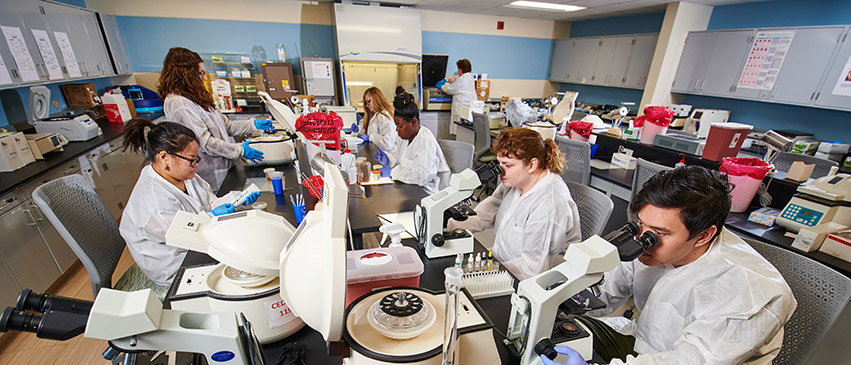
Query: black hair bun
(403, 100)
(400, 90)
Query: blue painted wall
(80, 3)
(828, 125)
(628, 24)
(500, 57)
(149, 39)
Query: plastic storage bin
(381, 267)
(746, 174)
(725, 140)
(649, 132)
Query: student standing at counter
(168, 184)
(531, 211)
(462, 88)
(417, 158)
(187, 102)
(379, 127)
(705, 296)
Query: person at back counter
(705, 296)
(417, 158)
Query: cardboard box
(483, 89)
(799, 171)
(811, 238)
(132, 107)
(838, 245)
(79, 95)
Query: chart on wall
(843, 84)
(765, 59)
(45, 47)
(20, 52)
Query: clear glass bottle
(282, 54)
(452, 284)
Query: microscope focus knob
(546, 347)
(437, 240)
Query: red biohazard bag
(321, 127)
(658, 115)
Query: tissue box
(838, 245)
(764, 216)
(800, 171)
(811, 238)
(623, 160)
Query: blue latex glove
(385, 171)
(250, 153)
(354, 128)
(573, 357)
(440, 84)
(251, 198)
(382, 158)
(222, 210)
(364, 137)
(264, 125)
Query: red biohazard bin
(746, 175)
(725, 140)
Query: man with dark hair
(705, 296)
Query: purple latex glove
(382, 157)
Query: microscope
(435, 210)
(536, 326)
(134, 323)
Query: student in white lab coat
(168, 184)
(378, 122)
(531, 211)
(705, 296)
(462, 88)
(187, 102)
(417, 158)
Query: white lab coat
(727, 307)
(150, 210)
(382, 132)
(419, 162)
(462, 90)
(213, 131)
(531, 231)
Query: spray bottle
(394, 230)
(682, 161)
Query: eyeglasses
(202, 74)
(367, 102)
(192, 162)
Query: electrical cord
(764, 196)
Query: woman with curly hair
(187, 102)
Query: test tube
(452, 284)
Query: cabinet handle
(703, 85)
(30, 216)
(105, 167)
(8, 202)
(37, 210)
(697, 85)
(14, 73)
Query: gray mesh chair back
(644, 170)
(81, 218)
(822, 294)
(578, 156)
(459, 155)
(595, 208)
(783, 161)
(481, 126)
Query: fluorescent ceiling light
(544, 6)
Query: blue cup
(277, 178)
(594, 148)
(299, 213)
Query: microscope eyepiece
(629, 246)
(488, 172)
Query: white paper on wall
(45, 47)
(765, 59)
(68, 54)
(20, 52)
(5, 78)
(843, 84)
(321, 70)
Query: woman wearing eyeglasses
(379, 127)
(187, 102)
(168, 184)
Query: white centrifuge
(247, 245)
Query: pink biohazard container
(745, 174)
(381, 267)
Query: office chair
(783, 162)
(594, 206)
(459, 155)
(822, 294)
(81, 218)
(578, 157)
(481, 125)
(644, 170)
